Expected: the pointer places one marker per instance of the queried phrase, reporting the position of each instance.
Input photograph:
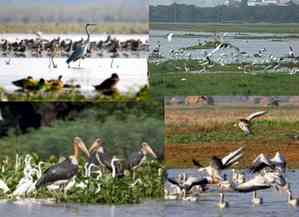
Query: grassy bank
(202, 133)
(227, 27)
(128, 28)
(169, 78)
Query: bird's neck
(113, 168)
(76, 153)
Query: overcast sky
(201, 3)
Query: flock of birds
(73, 50)
(220, 56)
(61, 176)
(264, 173)
(108, 87)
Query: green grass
(265, 129)
(117, 27)
(73, 96)
(166, 79)
(229, 27)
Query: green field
(228, 27)
(168, 78)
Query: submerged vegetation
(148, 184)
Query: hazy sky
(201, 3)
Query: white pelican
(185, 186)
(244, 123)
(64, 171)
(291, 200)
(261, 162)
(217, 164)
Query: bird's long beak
(95, 145)
(83, 148)
(150, 150)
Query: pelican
(261, 162)
(261, 182)
(222, 203)
(108, 86)
(185, 186)
(217, 164)
(64, 171)
(80, 51)
(135, 160)
(292, 201)
(244, 123)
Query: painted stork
(63, 172)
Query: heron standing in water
(80, 52)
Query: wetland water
(277, 48)
(275, 203)
(34, 209)
(132, 72)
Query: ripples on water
(279, 48)
(275, 203)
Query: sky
(201, 3)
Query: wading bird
(244, 123)
(80, 52)
(62, 173)
(217, 164)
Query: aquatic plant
(148, 183)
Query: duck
(108, 86)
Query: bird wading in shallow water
(80, 52)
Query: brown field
(206, 131)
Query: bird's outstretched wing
(259, 163)
(255, 115)
(196, 163)
(232, 157)
(173, 181)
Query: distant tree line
(243, 13)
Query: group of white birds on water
(264, 173)
(62, 176)
(219, 55)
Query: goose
(244, 123)
(217, 164)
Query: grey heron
(64, 171)
(80, 51)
